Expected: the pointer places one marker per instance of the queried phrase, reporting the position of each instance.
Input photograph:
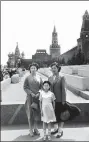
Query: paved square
(16, 133)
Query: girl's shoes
(54, 132)
(44, 138)
(59, 135)
(49, 138)
(31, 134)
(36, 132)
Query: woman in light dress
(32, 85)
(47, 106)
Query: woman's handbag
(34, 106)
(71, 111)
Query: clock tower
(83, 41)
(54, 47)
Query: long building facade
(41, 55)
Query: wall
(68, 55)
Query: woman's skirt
(59, 108)
(32, 114)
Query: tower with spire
(83, 41)
(15, 58)
(54, 47)
(17, 52)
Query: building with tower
(14, 58)
(41, 55)
(82, 42)
(17, 53)
(54, 47)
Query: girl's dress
(47, 108)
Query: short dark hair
(33, 64)
(47, 82)
(56, 64)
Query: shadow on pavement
(26, 138)
(39, 138)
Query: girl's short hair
(56, 64)
(33, 64)
(47, 83)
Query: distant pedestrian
(47, 106)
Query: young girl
(47, 106)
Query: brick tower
(54, 47)
(83, 41)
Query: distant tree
(69, 62)
(73, 59)
(59, 61)
(63, 61)
(80, 59)
(77, 59)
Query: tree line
(77, 59)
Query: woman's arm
(50, 80)
(40, 99)
(54, 104)
(63, 90)
(53, 100)
(41, 83)
(41, 108)
(40, 104)
(26, 88)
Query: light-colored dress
(32, 84)
(47, 108)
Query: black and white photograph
(44, 71)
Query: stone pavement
(21, 133)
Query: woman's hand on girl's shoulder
(37, 95)
(33, 95)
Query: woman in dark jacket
(32, 84)
(58, 88)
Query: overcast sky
(31, 23)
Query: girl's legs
(49, 128)
(55, 126)
(49, 131)
(44, 128)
